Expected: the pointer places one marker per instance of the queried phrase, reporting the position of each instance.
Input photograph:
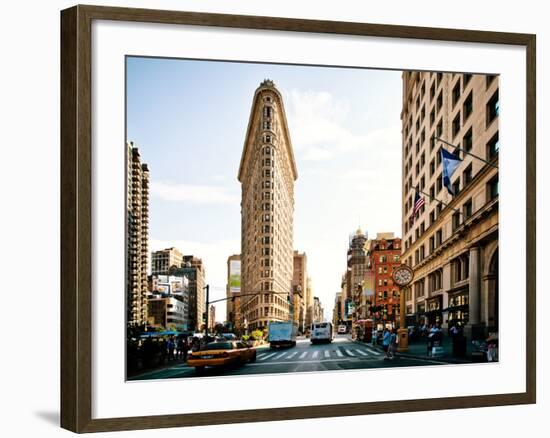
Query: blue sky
(189, 119)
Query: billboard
(368, 284)
(235, 276)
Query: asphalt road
(341, 354)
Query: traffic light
(203, 316)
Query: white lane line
(327, 353)
(315, 354)
(291, 355)
(304, 354)
(363, 353)
(339, 353)
(267, 356)
(349, 352)
(376, 353)
(279, 356)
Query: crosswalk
(320, 355)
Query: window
(456, 93)
(456, 187)
(438, 184)
(439, 78)
(268, 140)
(432, 192)
(493, 188)
(439, 103)
(466, 79)
(467, 209)
(432, 91)
(467, 175)
(493, 108)
(432, 244)
(432, 167)
(467, 141)
(456, 220)
(493, 147)
(456, 124)
(489, 80)
(432, 217)
(439, 129)
(468, 105)
(432, 117)
(438, 237)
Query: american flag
(418, 202)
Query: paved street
(341, 354)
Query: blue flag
(450, 162)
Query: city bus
(321, 332)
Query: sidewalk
(418, 350)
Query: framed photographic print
(294, 212)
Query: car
(342, 329)
(221, 353)
(229, 336)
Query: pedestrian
(374, 335)
(179, 353)
(171, 346)
(185, 348)
(430, 342)
(386, 343)
(393, 343)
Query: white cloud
(319, 128)
(202, 194)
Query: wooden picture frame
(76, 217)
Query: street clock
(402, 275)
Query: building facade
(299, 289)
(137, 229)
(452, 243)
(193, 269)
(358, 266)
(384, 256)
(337, 310)
(318, 311)
(167, 312)
(211, 317)
(267, 173)
(233, 308)
(163, 260)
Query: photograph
(286, 218)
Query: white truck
(282, 333)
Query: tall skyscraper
(451, 240)
(137, 210)
(267, 173)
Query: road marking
(376, 353)
(315, 354)
(362, 352)
(349, 352)
(267, 356)
(304, 354)
(327, 353)
(339, 353)
(279, 356)
(348, 359)
(291, 355)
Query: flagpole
(466, 152)
(446, 204)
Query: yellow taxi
(221, 353)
